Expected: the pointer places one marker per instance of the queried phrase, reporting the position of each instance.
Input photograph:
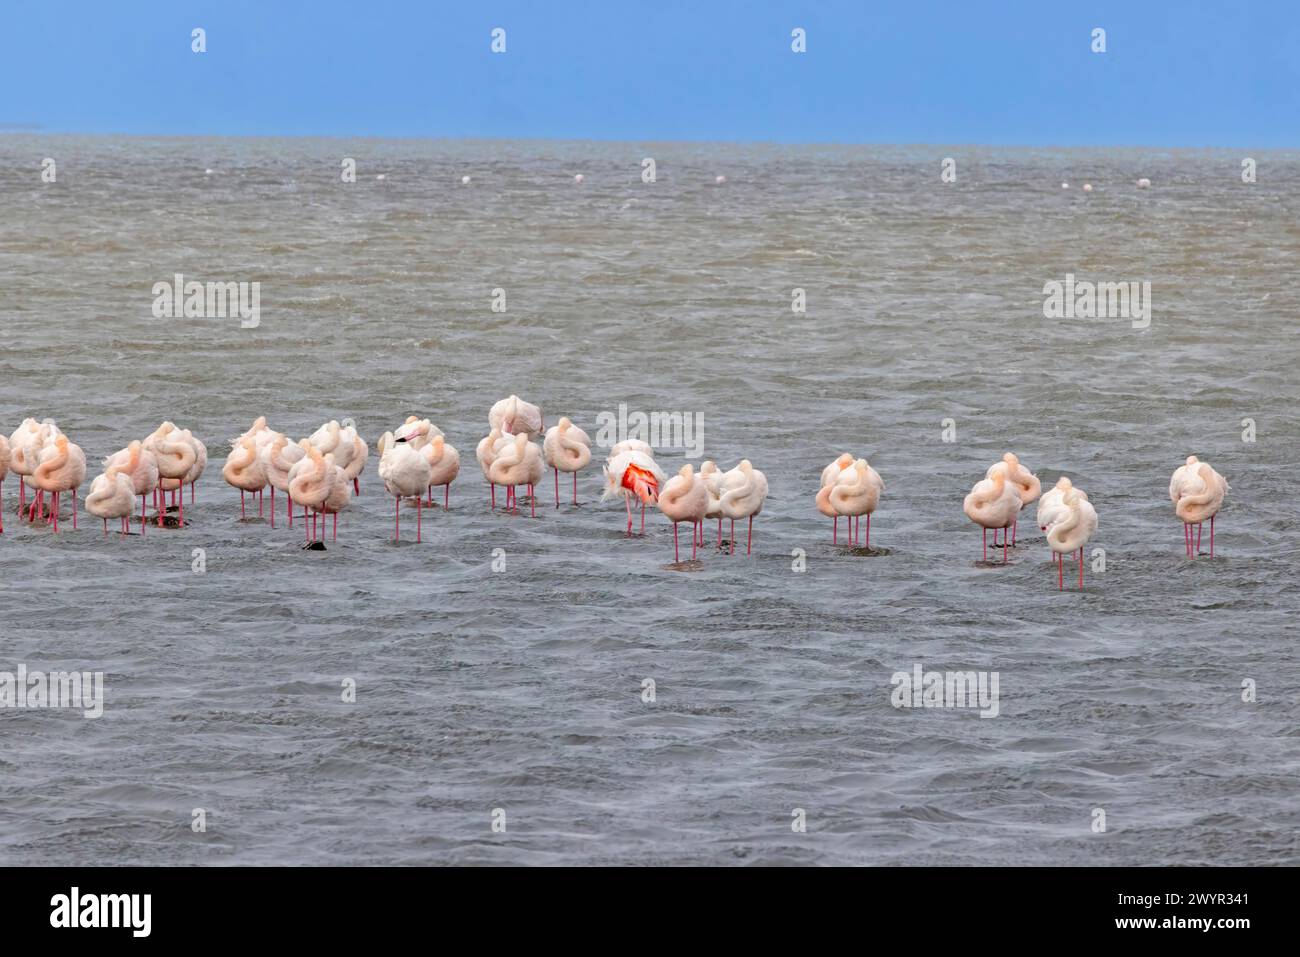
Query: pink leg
(695, 529)
(191, 493)
(868, 530)
(676, 557)
(397, 522)
(628, 502)
(557, 488)
(1080, 569)
(290, 498)
(356, 485)
(1004, 546)
(532, 499)
(273, 506)
(643, 518)
(575, 488)
(419, 513)
(180, 504)
(243, 510)
(56, 512)
(749, 545)
(984, 552)
(1211, 536)
(1198, 537)
(494, 496)
(22, 493)
(1060, 572)
(74, 509)
(336, 526)
(446, 497)
(733, 536)
(105, 526)
(719, 532)
(835, 531)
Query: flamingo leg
(1004, 546)
(627, 500)
(419, 511)
(356, 486)
(835, 531)
(532, 499)
(733, 536)
(984, 552)
(557, 487)
(1211, 536)
(74, 509)
(1198, 537)
(749, 545)
(397, 521)
(868, 530)
(56, 512)
(1060, 572)
(695, 528)
(22, 493)
(719, 531)
(575, 488)
(1081, 568)
(676, 556)
(272, 506)
(643, 518)
(243, 506)
(446, 497)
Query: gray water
(522, 689)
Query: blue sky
(876, 71)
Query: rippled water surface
(522, 689)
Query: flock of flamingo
(321, 473)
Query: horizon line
(28, 129)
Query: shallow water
(522, 689)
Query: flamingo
(360, 455)
(829, 475)
(25, 446)
(112, 495)
(1073, 524)
(1025, 483)
(486, 452)
(246, 471)
(176, 455)
(566, 449)
(405, 472)
(743, 489)
(631, 471)
(444, 466)
(684, 499)
(310, 479)
(853, 492)
(278, 457)
(514, 415)
(139, 464)
(338, 492)
(61, 468)
(517, 463)
(1197, 492)
(1051, 501)
(709, 475)
(993, 503)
